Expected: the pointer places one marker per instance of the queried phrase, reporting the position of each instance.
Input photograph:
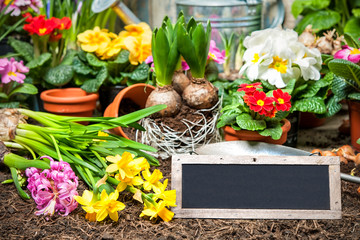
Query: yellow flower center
(249, 86)
(212, 56)
(260, 102)
(355, 51)
(281, 101)
(12, 74)
(42, 30)
(7, 2)
(62, 26)
(279, 64)
(256, 58)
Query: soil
(18, 221)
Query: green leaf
(201, 44)
(139, 74)
(122, 57)
(25, 49)
(60, 75)
(228, 118)
(340, 88)
(94, 61)
(81, 68)
(320, 20)
(356, 12)
(352, 27)
(245, 121)
(313, 105)
(345, 69)
(25, 88)
(274, 131)
(351, 40)
(42, 60)
(354, 96)
(93, 85)
(10, 105)
(333, 106)
(3, 95)
(187, 50)
(315, 86)
(298, 6)
(69, 57)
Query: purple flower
(12, 70)
(53, 189)
(18, 6)
(215, 54)
(348, 53)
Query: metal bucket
(239, 16)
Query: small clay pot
(309, 120)
(69, 102)
(246, 135)
(354, 113)
(138, 93)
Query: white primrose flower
(276, 55)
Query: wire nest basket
(169, 141)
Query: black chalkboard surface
(256, 187)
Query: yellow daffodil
(139, 164)
(124, 182)
(158, 210)
(139, 49)
(101, 134)
(108, 205)
(152, 180)
(141, 30)
(93, 40)
(169, 197)
(87, 201)
(120, 163)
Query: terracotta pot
(309, 120)
(234, 135)
(69, 102)
(354, 113)
(138, 93)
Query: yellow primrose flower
(158, 210)
(141, 30)
(169, 196)
(120, 164)
(112, 49)
(139, 50)
(93, 40)
(108, 205)
(87, 201)
(152, 180)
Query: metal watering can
(239, 16)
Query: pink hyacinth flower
(348, 53)
(184, 66)
(53, 189)
(12, 71)
(215, 54)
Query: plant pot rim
(113, 109)
(78, 95)
(255, 136)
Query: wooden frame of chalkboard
(256, 187)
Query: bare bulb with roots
(164, 95)
(200, 94)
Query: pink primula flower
(17, 6)
(150, 59)
(348, 53)
(215, 54)
(53, 189)
(12, 71)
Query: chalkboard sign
(261, 187)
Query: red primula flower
(260, 103)
(63, 23)
(249, 88)
(282, 100)
(28, 17)
(55, 36)
(271, 113)
(40, 26)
